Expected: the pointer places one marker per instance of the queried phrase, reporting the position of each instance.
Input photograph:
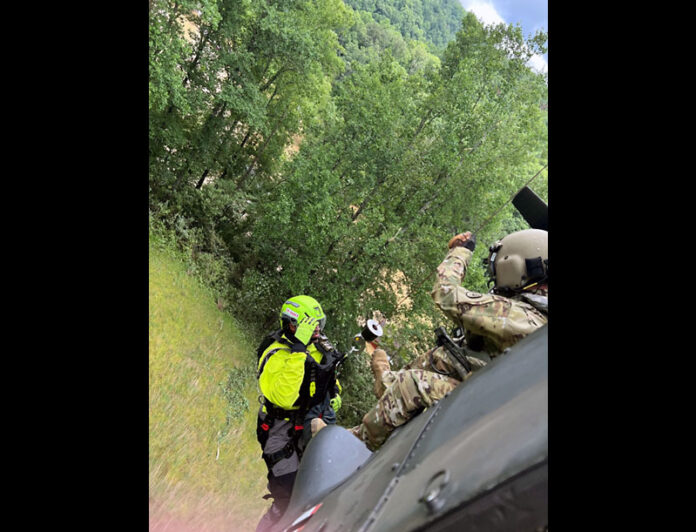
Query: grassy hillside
(205, 468)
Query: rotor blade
(532, 208)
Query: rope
(476, 231)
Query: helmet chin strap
(510, 291)
(532, 287)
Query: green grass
(206, 473)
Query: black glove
(467, 240)
(471, 243)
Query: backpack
(275, 336)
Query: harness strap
(272, 459)
(275, 412)
(265, 359)
(312, 381)
(295, 432)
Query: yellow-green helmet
(296, 308)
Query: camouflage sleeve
(502, 320)
(379, 364)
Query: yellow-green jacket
(284, 380)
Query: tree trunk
(240, 183)
(204, 40)
(202, 179)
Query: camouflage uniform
(498, 322)
(401, 395)
(495, 321)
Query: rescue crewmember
(300, 393)
(516, 306)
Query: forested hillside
(431, 21)
(328, 148)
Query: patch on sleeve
(473, 295)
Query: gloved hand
(305, 329)
(336, 403)
(466, 239)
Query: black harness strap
(273, 414)
(276, 412)
(272, 459)
(275, 336)
(265, 360)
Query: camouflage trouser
(406, 393)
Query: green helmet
(296, 308)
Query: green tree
(392, 156)
(234, 96)
(400, 163)
(433, 21)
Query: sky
(531, 15)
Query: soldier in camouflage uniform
(517, 306)
(518, 303)
(404, 394)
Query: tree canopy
(432, 21)
(332, 149)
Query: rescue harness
(318, 380)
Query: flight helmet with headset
(519, 261)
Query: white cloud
(484, 11)
(488, 15)
(538, 64)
